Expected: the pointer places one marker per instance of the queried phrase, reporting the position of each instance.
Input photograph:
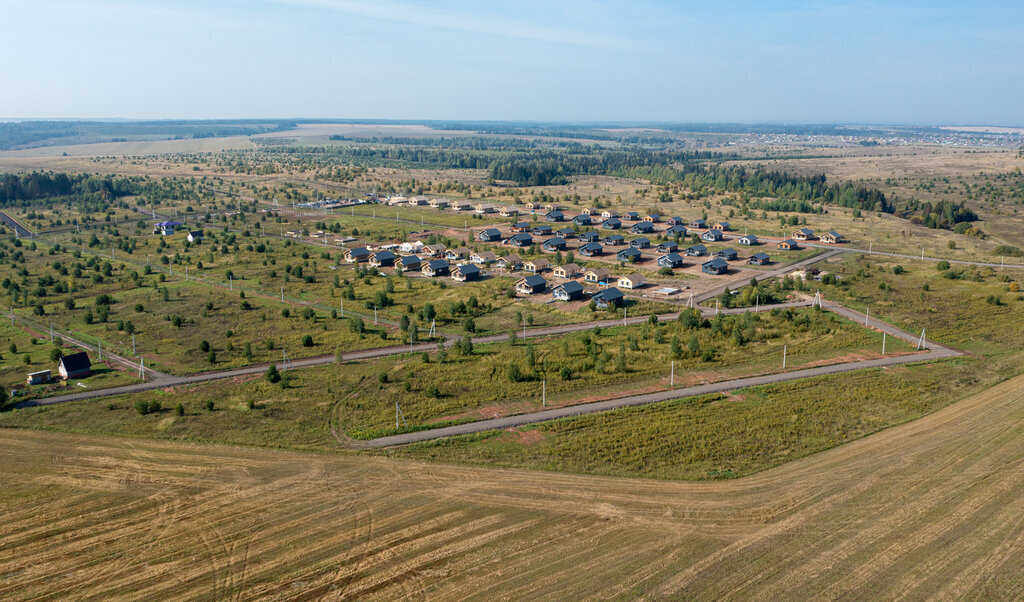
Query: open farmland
(171, 520)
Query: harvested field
(927, 509)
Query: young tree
(272, 376)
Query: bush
(250, 404)
(565, 373)
(1008, 251)
(942, 266)
(179, 410)
(209, 405)
(433, 392)
(286, 312)
(272, 376)
(307, 341)
(142, 407)
(204, 346)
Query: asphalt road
(934, 352)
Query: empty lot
(930, 508)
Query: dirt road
(929, 509)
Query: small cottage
(716, 266)
(568, 291)
(531, 285)
(76, 365)
(609, 297)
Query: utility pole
(99, 351)
(883, 342)
(672, 375)
(544, 393)
(133, 344)
(784, 348)
(343, 307)
(921, 342)
(374, 315)
(142, 369)
(866, 312)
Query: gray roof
(570, 287)
(609, 294)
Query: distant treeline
(23, 189)
(468, 142)
(40, 133)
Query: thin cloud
(428, 17)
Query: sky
(934, 62)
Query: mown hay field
(106, 518)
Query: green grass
(36, 346)
(358, 399)
(718, 437)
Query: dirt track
(927, 509)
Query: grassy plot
(722, 436)
(971, 308)
(172, 321)
(22, 352)
(357, 399)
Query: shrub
(250, 404)
(942, 266)
(209, 405)
(179, 410)
(204, 346)
(307, 341)
(565, 373)
(272, 376)
(433, 392)
(142, 407)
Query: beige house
(537, 265)
(569, 270)
(632, 281)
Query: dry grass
(928, 509)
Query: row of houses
(570, 291)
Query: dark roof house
(716, 266)
(568, 291)
(609, 297)
(75, 365)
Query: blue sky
(581, 60)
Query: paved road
(10, 221)
(636, 400)
(934, 352)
